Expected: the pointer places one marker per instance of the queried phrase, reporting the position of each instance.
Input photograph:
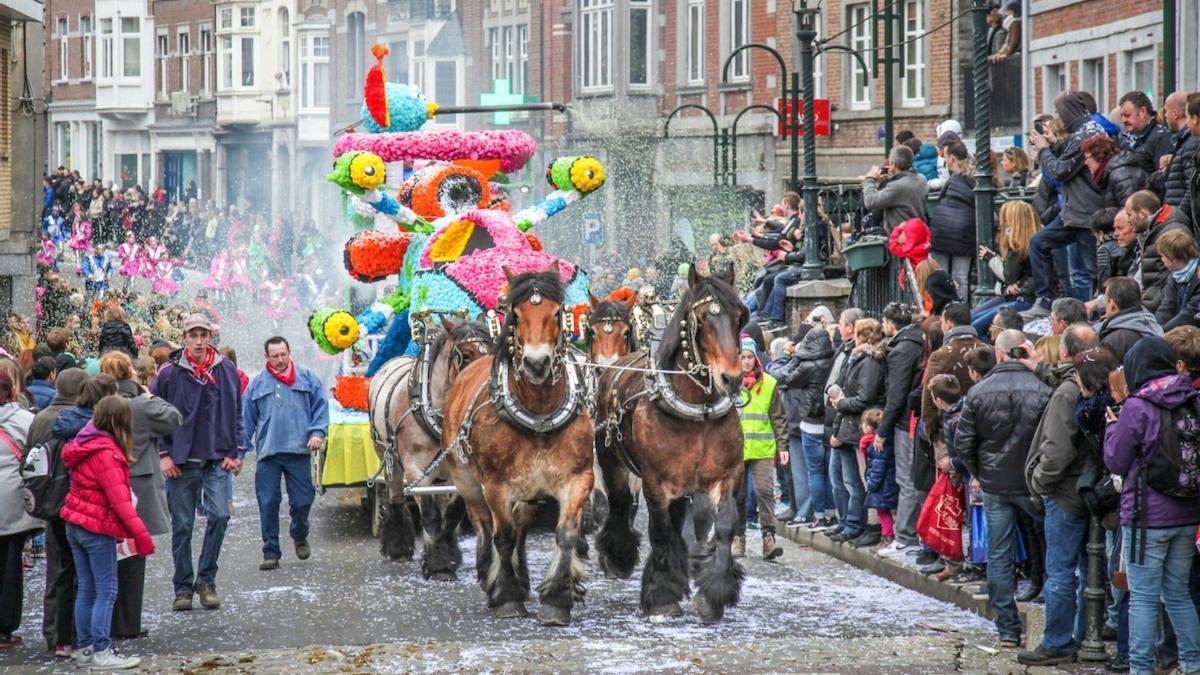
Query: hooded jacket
(71, 421)
(1154, 387)
(1180, 303)
(66, 386)
(953, 222)
(941, 291)
(900, 198)
(1154, 272)
(43, 393)
(863, 388)
(1064, 164)
(100, 500)
(996, 427)
(1123, 176)
(925, 161)
(212, 411)
(14, 421)
(905, 361)
(1180, 169)
(803, 378)
(1120, 332)
(1057, 454)
(117, 336)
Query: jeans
(959, 269)
(848, 489)
(908, 506)
(1163, 575)
(200, 483)
(1056, 235)
(817, 460)
(776, 305)
(1066, 552)
(802, 502)
(1001, 512)
(296, 470)
(982, 316)
(96, 563)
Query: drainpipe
(1027, 111)
(1169, 51)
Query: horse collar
(419, 395)
(664, 396)
(508, 408)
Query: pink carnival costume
(162, 281)
(130, 254)
(81, 236)
(148, 267)
(219, 278)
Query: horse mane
(610, 310)
(520, 289)
(470, 329)
(723, 293)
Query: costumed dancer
(130, 255)
(48, 252)
(81, 235)
(154, 251)
(219, 278)
(239, 269)
(96, 268)
(163, 281)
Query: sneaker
(739, 546)
(785, 515)
(183, 602)
(1040, 310)
(208, 596)
(979, 593)
(82, 657)
(844, 535)
(109, 659)
(752, 525)
(894, 550)
(1009, 642)
(1044, 657)
(926, 557)
(62, 652)
(303, 550)
(271, 564)
(932, 568)
(823, 524)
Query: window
(914, 54)
(1139, 71)
(285, 49)
(106, 48)
(397, 62)
(1054, 82)
(246, 17)
(64, 61)
(131, 47)
(595, 44)
(163, 53)
(445, 74)
(226, 18)
(695, 41)
(85, 52)
(510, 66)
(314, 73)
(497, 55)
(356, 26)
(184, 42)
(523, 56)
(858, 18)
(206, 52)
(639, 43)
(739, 34)
(418, 64)
(1092, 79)
(225, 59)
(247, 61)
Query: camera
(1018, 353)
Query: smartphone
(1039, 126)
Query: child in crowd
(880, 476)
(81, 235)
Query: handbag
(941, 520)
(979, 538)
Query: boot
(739, 546)
(771, 548)
(870, 536)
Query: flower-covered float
(440, 231)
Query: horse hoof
(707, 612)
(443, 576)
(395, 556)
(511, 610)
(549, 615)
(664, 611)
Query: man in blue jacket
(196, 460)
(285, 417)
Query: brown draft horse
(406, 400)
(609, 332)
(675, 427)
(518, 431)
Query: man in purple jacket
(197, 458)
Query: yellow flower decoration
(341, 329)
(587, 174)
(450, 244)
(366, 171)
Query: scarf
(288, 377)
(1098, 174)
(201, 368)
(1188, 271)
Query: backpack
(1174, 470)
(44, 480)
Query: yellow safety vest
(757, 431)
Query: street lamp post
(805, 31)
(984, 192)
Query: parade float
(434, 225)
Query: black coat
(1154, 273)
(803, 378)
(115, 336)
(1150, 145)
(1045, 200)
(864, 388)
(1179, 171)
(999, 417)
(952, 227)
(905, 362)
(1180, 303)
(1111, 261)
(1123, 176)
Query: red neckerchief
(750, 378)
(201, 369)
(288, 376)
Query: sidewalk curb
(1032, 615)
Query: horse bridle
(693, 366)
(513, 344)
(658, 386)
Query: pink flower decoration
(512, 147)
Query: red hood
(916, 243)
(89, 441)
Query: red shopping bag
(941, 520)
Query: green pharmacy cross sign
(501, 94)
